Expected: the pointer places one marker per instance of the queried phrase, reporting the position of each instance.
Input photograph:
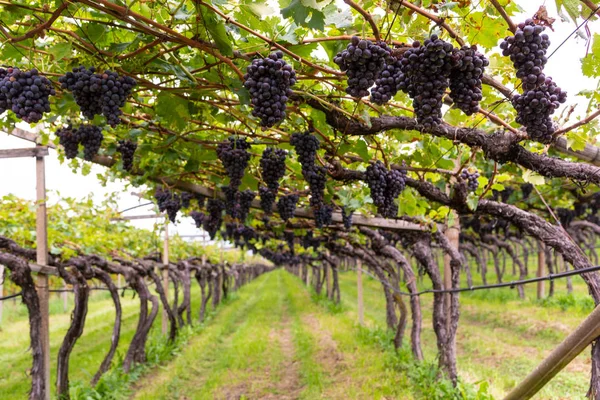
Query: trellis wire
(510, 284)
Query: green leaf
(590, 65)
(533, 177)
(317, 20)
(218, 34)
(299, 13)
(60, 50)
(362, 150)
(173, 109)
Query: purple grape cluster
(237, 204)
(465, 78)
(96, 94)
(272, 166)
(323, 215)
(527, 50)
(198, 218)
(535, 107)
(127, 149)
(363, 61)
(269, 81)
(388, 82)
(212, 223)
(186, 199)
(425, 72)
(290, 238)
(347, 217)
(267, 199)
(25, 93)
(235, 156)
(286, 206)
(385, 185)
(168, 201)
(471, 178)
(89, 136)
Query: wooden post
(359, 287)
(307, 273)
(165, 276)
(540, 270)
(42, 259)
(328, 279)
(452, 233)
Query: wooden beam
(39, 151)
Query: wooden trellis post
(165, 276)
(1, 291)
(359, 289)
(42, 259)
(540, 270)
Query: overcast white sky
(19, 174)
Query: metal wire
(510, 284)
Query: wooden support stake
(540, 270)
(42, 259)
(1, 291)
(165, 277)
(560, 357)
(359, 287)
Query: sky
(19, 174)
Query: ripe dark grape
(269, 80)
(426, 70)
(96, 94)
(363, 61)
(69, 140)
(347, 217)
(272, 166)
(212, 224)
(237, 204)
(198, 218)
(534, 108)
(90, 136)
(127, 149)
(186, 199)
(316, 178)
(323, 215)
(471, 178)
(168, 201)
(287, 205)
(526, 188)
(267, 199)
(385, 186)
(388, 82)
(465, 78)
(25, 93)
(245, 201)
(306, 146)
(289, 238)
(527, 50)
(161, 195)
(200, 199)
(235, 156)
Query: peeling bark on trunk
(165, 302)
(20, 274)
(550, 266)
(184, 274)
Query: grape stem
(367, 16)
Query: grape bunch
(388, 83)
(25, 93)
(465, 78)
(471, 178)
(244, 203)
(212, 223)
(186, 199)
(323, 215)
(526, 188)
(534, 108)
(306, 146)
(272, 165)
(385, 186)
(127, 149)
(198, 218)
(235, 156)
(425, 72)
(96, 94)
(527, 50)
(237, 204)
(363, 61)
(269, 80)
(200, 199)
(287, 205)
(289, 238)
(267, 199)
(347, 217)
(316, 178)
(69, 140)
(90, 136)
(168, 201)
